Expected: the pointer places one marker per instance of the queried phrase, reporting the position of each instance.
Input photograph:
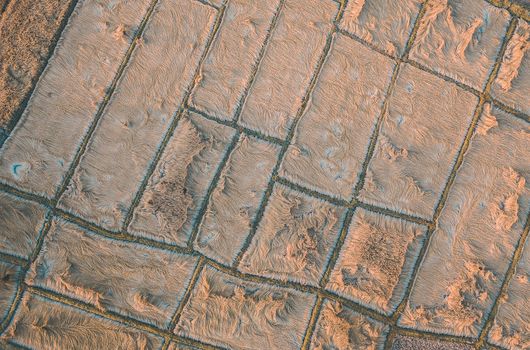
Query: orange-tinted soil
(29, 30)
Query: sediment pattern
(276, 174)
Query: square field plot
(460, 39)
(174, 194)
(376, 260)
(21, 221)
(332, 137)
(386, 24)
(470, 251)
(421, 134)
(40, 323)
(339, 327)
(236, 314)
(144, 283)
(295, 237)
(512, 85)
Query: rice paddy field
(265, 174)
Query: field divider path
(459, 160)
(237, 136)
(482, 339)
(480, 94)
(173, 125)
(351, 205)
(290, 135)
(205, 261)
(233, 124)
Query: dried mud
(273, 174)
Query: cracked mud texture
(411, 343)
(276, 174)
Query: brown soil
(29, 30)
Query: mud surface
(275, 174)
(29, 30)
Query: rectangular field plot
(376, 260)
(482, 221)
(41, 148)
(10, 275)
(144, 283)
(386, 24)
(288, 65)
(175, 191)
(233, 313)
(21, 221)
(421, 135)
(512, 84)
(133, 125)
(295, 237)
(511, 327)
(235, 201)
(460, 39)
(232, 56)
(339, 327)
(332, 137)
(44, 324)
